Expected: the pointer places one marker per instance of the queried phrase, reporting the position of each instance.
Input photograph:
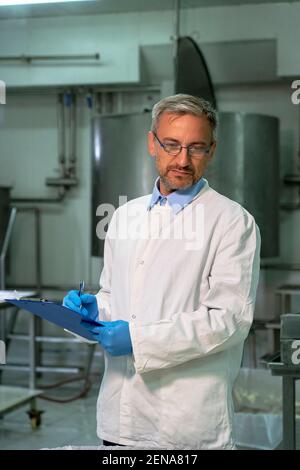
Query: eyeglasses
(174, 149)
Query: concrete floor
(65, 424)
(71, 423)
(62, 424)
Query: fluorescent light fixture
(35, 2)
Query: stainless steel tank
(246, 169)
(121, 165)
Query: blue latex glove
(86, 304)
(114, 336)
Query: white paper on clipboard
(81, 338)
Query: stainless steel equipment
(121, 165)
(246, 169)
(287, 366)
(290, 339)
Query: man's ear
(151, 144)
(213, 149)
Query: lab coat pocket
(196, 411)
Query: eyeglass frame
(207, 149)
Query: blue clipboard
(57, 314)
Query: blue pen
(81, 289)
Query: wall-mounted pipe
(72, 146)
(61, 134)
(67, 112)
(30, 200)
(31, 58)
(67, 178)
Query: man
(178, 298)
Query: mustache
(190, 170)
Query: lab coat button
(133, 317)
(142, 261)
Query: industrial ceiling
(116, 6)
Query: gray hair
(185, 104)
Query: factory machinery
(286, 364)
(248, 142)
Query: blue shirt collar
(177, 199)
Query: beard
(173, 183)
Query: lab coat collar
(179, 199)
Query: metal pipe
(30, 58)
(292, 179)
(281, 266)
(66, 182)
(24, 200)
(45, 339)
(38, 254)
(176, 35)
(32, 352)
(72, 136)
(61, 134)
(6, 241)
(288, 413)
(43, 369)
(27, 91)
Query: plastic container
(258, 409)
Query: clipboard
(59, 315)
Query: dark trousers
(110, 444)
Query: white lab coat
(190, 308)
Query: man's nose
(183, 157)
